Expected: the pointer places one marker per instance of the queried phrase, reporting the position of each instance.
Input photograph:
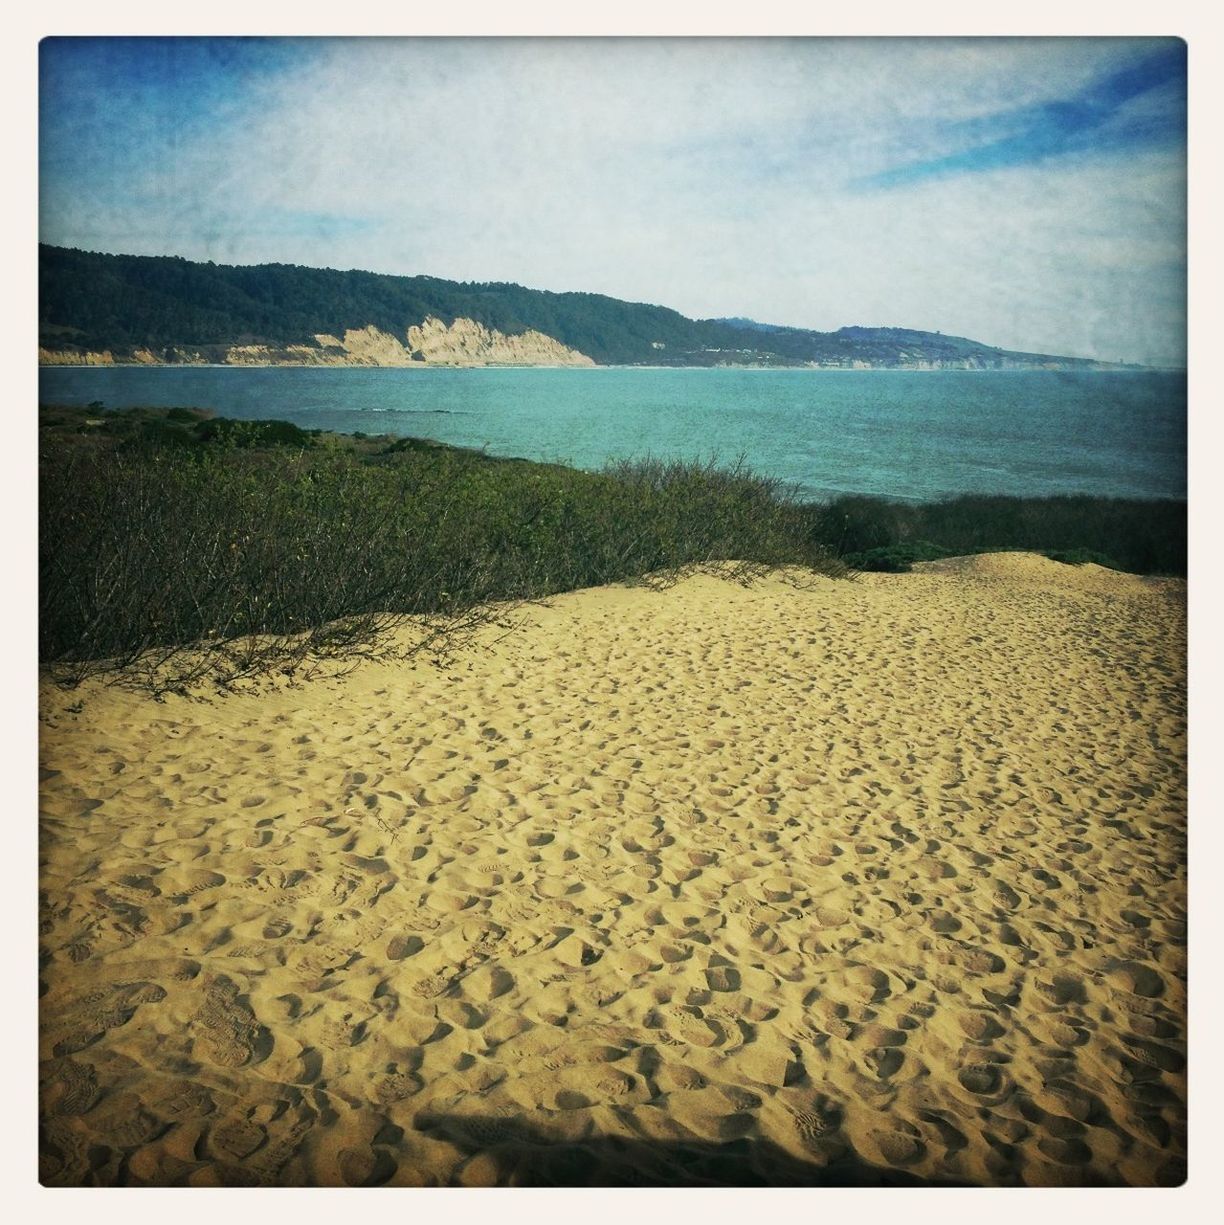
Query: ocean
(914, 435)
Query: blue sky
(1100, 119)
(1025, 192)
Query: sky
(1027, 193)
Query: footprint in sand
(979, 1026)
(181, 1099)
(366, 1167)
(1005, 897)
(685, 1026)
(821, 1120)
(80, 947)
(723, 978)
(277, 928)
(83, 1022)
(235, 1138)
(71, 1089)
(399, 947)
(1152, 1027)
(195, 880)
(898, 1147)
(487, 983)
(981, 1079)
(280, 880)
(124, 921)
(1063, 989)
(1066, 1035)
(120, 1120)
(979, 961)
(229, 1035)
(1154, 1055)
(157, 969)
(433, 985)
(864, 985)
(1138, 979)
(62, 1160)
(396, 1086)
(884, 1062)
(1065, 1151)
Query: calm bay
(905, 434)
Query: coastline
(494, 366)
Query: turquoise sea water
(903, 434)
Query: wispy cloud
(1134, 107)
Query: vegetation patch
(170, 549)
(175, 544)
(896, 558)
(1142, 536)
(1080, 557)
(253, 433)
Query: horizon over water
(912, 435)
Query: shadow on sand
(513, 1153)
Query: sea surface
(914, 435)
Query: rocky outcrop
(467, 343)
(68, 357)
(288, 355)
(368, 346)
(432, 343)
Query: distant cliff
(461, 343)
(153, 310)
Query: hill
(100, 309)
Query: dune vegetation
(175, 544)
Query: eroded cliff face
(467, 343)
(431, 343)
(66, 357)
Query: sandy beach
(851, 881)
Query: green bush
(896, 558)
(1139, 535)
(859, 524)
(1080, 557)
(253, 433)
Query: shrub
(1079, 557)
(858, 524)
(1139, 535)
(253, 433)
(897, 558)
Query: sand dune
(879, 880)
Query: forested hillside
(165, 308)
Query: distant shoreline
(93, 304)
(705, 369)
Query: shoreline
(490, 366)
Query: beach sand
(870, 881)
